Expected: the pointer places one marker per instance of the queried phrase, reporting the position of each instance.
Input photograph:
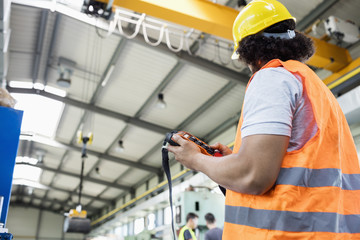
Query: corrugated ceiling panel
(26, 199)
(138, 72)
(111, 193)
(109, 171)
(73, 163)
(98, 204)
(66, 182)
(46, 177)
(299, 9)
(220, 53)
(36, 202)
(58, 195)
(190, 89)
(226, 137)
(226, 107)
(92, 189)
(154, 159)
(105, 130)
(24, 24)
(137, 141)
(39, 192)
(20, 66)
(47, 204)
(346, 10)
(68, 123)
(84, 201)
(79, 42)
(132, 177)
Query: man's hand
(6, 99)
(224, 150)
(186, 153)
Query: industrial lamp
(161, 102)
(65, 69)
(120, 147)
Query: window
(41, 114)
(151, 221)
(167, 216)
(139, 225)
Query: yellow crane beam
(202, 15)
(215, 19)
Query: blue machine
(10, 124)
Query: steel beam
(94, 180)
(4, 39)
(51, 46)
(82, 105)
(40, 216)
(67, 146)
(315, 14)
(39, 44)
(84, 195)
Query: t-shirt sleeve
(270, 102)
(187, 235)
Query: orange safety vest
(317, 192)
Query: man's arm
(253, 170)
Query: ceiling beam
(101, 155)
(94, 180)
(108, 201)
(39, 44)
(51, 47)
(315, 14)
(5, 32)
(90, 107)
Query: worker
(214, 233)
(293, 172)
(187, 232)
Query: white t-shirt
(275, 103)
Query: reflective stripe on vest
(293, 221)
(317, 192)
(328, 177)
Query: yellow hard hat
(255, 17)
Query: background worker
(293, 172)
(187, 232)
(214, 232)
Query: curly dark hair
(256, 50)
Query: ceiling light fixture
(120, 147)
(161, 102)
(65, 69)
(64, 79)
